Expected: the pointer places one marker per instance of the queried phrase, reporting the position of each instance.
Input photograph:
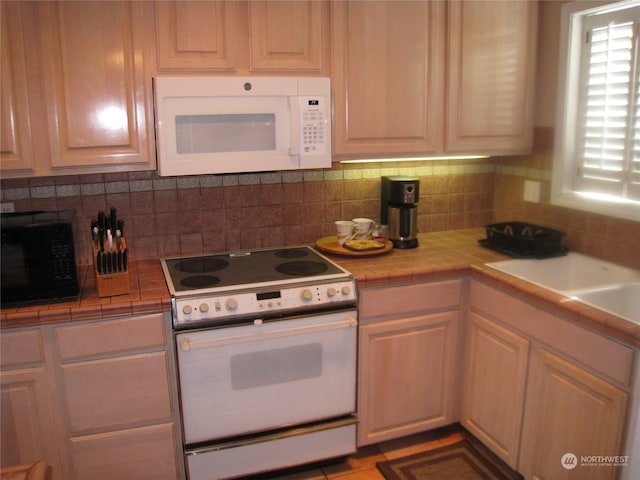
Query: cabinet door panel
(142, 454)
(569, 410)
(96, 89)
(28, 432)
(117, 392)
(407, 367)
(491, 75)
(388, 76)
(196, 35)
(494, 386)
(286, 35)
(21, 347)
(16, 151)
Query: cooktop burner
(200, 281)
(302, 268)
(201, 265)
(292, 253)
(208, 273)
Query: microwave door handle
(294, 140)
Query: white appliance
(266, 345)
(210, 125)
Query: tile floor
(362, 465)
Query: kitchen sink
(599, 283)
(622, 300)
(573, 271)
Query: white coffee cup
(362, 228)
(344, 230)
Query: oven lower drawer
(273, 451)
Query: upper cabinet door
(196, 35)
(388, 72)
(16, 152)
(97, 94)
(491, 63)
(288, 35)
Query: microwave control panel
(313, 121)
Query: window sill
(619, 209)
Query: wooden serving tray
(330, 245)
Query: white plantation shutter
(609, 117)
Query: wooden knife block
(110, 284)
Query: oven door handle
(187, 344)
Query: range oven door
(263, 376)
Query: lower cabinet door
(28, 432)
(571, 418)
(494, 386)
(407, 376)
(134, 454)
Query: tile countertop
(439, 255)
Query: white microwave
(210, 125)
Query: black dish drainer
(524, 240)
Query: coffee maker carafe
(398, 209)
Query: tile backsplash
(168, 216)
(601, 236)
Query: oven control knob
(331, 292)
(346, 290)
(231, 304)
(306, 294)
(204, 307)
(187, 309)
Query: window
(597, 159)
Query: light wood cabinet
(490, 76)
(407, 359)
(85, 104)
(433, 77)
(569, 410)
(242, 37)
(16, 150)
(576, 383)
(388, 77)
(116, 380)
(97, 92)
(28, 431)
(92, 399)
(496, 362)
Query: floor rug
(461, 461)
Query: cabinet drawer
(20, 347)
(110, 337)
(597, 352)
(117, 392)
(134, 454)
(407, 299)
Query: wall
(214, 213)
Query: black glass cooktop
(210, 272)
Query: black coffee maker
(398, 209)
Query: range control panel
(207, 309)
